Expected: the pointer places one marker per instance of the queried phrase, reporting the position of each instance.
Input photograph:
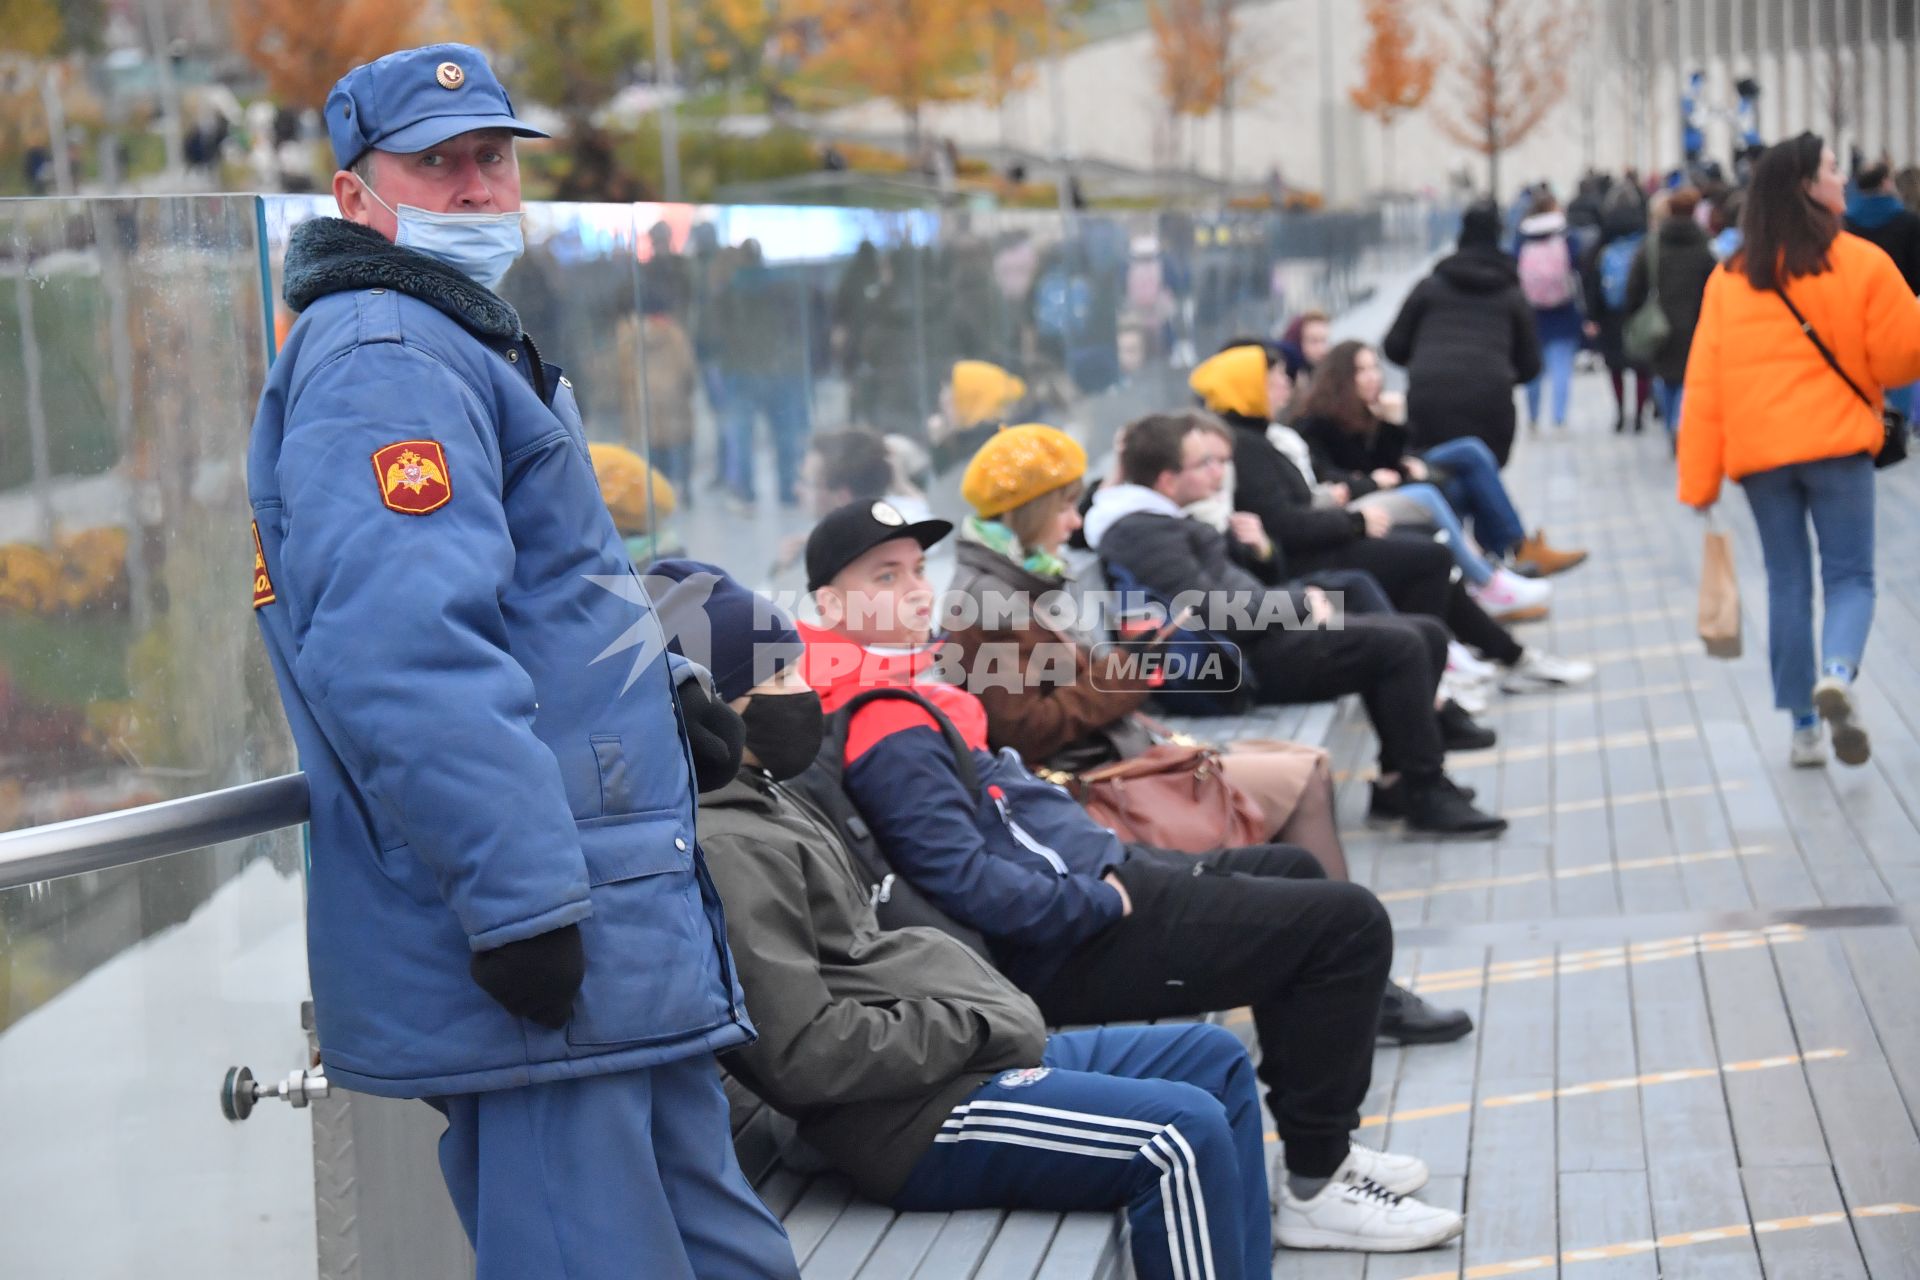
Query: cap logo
(449, 75)
(886, 515)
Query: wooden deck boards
(1663, 790)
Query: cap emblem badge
(449, 75)
(885, 514)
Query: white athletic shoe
(1809, 749)
(1513, 597)
(1364, 1217)
(1537, 667)
(1402, 1175)
(1833, 699)
(1462, 662)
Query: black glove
(715, 734)
(535, 978)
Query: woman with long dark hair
(1800, 332)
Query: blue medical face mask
(480, 246)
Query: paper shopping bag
(1719, 597)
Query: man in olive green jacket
(912, 1065)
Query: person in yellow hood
(976, 401)
(1274, 482)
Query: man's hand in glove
(534, 978)
(715, 734)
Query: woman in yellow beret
(976, 399)
(1024, 487)
(639, 499)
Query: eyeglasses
(1212, 462)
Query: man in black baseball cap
(849, 532)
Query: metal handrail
(149, 831)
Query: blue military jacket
(437, 578)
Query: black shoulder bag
(1893, 444)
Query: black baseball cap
(847, 533)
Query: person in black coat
(1874, 212)
(1466, 338)
(1685, 260)
(1623, 225)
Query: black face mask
(784, 731)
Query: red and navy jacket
(1021, 861)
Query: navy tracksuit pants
(608, 1178)
(1163, 1121)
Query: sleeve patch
(262, 583)
(413, 477)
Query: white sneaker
(1364, 1217)
(1512, 597)
(1537, 667)
(1833, 699)
(1402, 1175)
(1470, 694)
(1809, 749)
(1464, 663)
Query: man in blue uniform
(508, 916)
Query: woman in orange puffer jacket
(1764, 407)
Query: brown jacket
(1046, 715)
(663, 373)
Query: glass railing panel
(124, 997)
(131, 355)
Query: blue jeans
(782, 400)
(1838, 494)
(1667, 395)
(1556, 366)
(1473, 565)
(1474, 487)
(1162, 1121)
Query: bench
(838, 1236)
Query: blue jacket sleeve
(403, 653)
(906, 788)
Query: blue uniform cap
(415, 98)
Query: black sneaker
(1407, 1019)
(1460, 731)
(1434, 806)
(1388, 803)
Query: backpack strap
(962, 753)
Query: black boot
(1460, 731)
(1407, 1019)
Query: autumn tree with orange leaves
(913, 53)
(1395, 75)
(1206, 64)
(303, 46)
(1509, 71)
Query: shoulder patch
(413, 477)
(262, 582)
(1021, 1078)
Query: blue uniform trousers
(625, 1175)
(1162, 1121)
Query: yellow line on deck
(1572, 873)
(1606, 958)
(1606, 1086)
(1678, 1240)
(1540, 751)
(1599, 802)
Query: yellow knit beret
(625, 483)
(1018, 465)
(983, 392)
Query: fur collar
(332, 255)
